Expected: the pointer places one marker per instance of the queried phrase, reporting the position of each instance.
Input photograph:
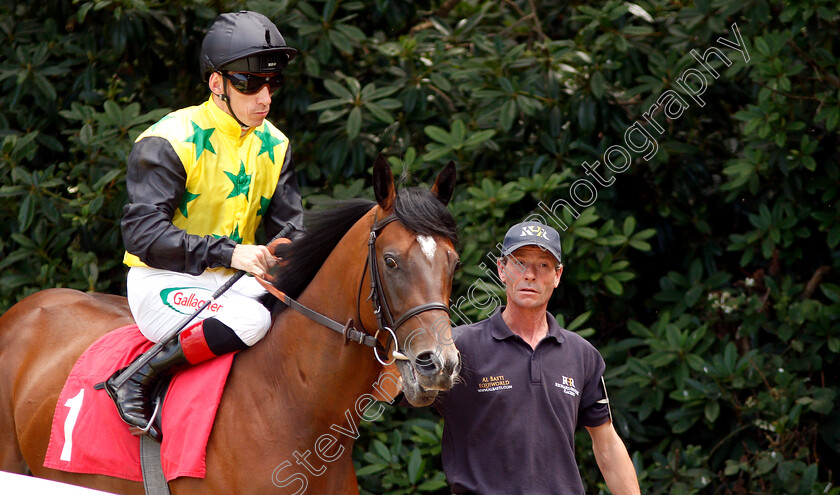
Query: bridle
(380, 303)
(385, 322)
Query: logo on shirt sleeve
(568, 386)
(492, 383)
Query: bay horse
(301, 382)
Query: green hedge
(704, 267)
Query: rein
(384, 319)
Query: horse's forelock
(422, 213)
(416, 208)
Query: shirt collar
(225, 124)
(500, 330)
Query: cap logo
(270, 62)
(533, 230)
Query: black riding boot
(133, 397)
(196, 344)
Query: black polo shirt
(509, 425)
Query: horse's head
(415, 259)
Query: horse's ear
(383, 184)
(445, 183)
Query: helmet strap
(226, 99)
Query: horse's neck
(303, 363)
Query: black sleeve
(594, 403)
(285, 205)
(156, 182)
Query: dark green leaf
(597, 84)
(438, 134)
(613, 285)
(338, 90)
(325, 104)
(26, 212)
(354, 123)
(415, 463)
(379, 112)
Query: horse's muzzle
(428, 373)
(428, 364)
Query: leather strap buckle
(348, 329)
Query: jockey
(200, 181)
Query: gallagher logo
(186, 300)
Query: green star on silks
(201, 139)
(241, 182)
(264, 202)
(186, 198)
(167, 117)
(268, 142)
(235, 237)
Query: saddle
(88, 436)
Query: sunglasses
(249, 84)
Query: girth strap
(154, 481)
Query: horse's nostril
(428, 363)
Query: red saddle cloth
(88, 436)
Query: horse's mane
(416, 208)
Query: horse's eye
(390, 262)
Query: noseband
(384, 319)
(385, 322)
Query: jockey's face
(250, 109)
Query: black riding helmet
(244, 42)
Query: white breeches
(160, 300)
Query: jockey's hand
(277, 245)
(255, 260)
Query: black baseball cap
(532, 234)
